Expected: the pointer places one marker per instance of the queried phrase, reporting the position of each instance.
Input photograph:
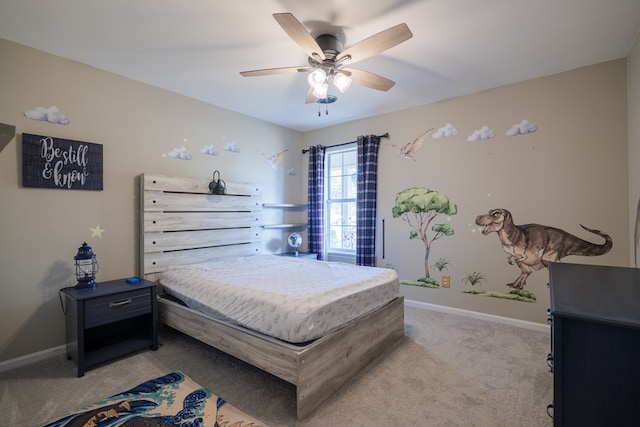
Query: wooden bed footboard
(317, 369)
(333, 360)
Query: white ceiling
(198, 47)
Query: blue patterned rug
(171, 400)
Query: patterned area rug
(171, 400)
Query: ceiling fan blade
(268, 71)
(299, 34)
(370, 80)
(309, 99)
(377, 43)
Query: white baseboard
(10, 364)
(27, 359)
(541, 327)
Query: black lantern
(86, 267)
(217, 185)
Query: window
(341, 166)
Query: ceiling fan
(327, 59)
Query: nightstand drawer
(110, 308)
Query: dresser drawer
(111, 308)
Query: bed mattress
(292, 299)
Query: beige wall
(41, 229)
(633, 115)
(572, 170)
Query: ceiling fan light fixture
(317, 77)
(326, 56)
(342, 82)
(321, 91)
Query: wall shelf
(285, 205)
(282, 226)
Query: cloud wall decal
(179, 153)
(231, 147)
(50, 114)
(481, 134)
(445, 131)
(209, 150)
(524, 127)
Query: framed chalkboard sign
(49, 162)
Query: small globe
(295, 240)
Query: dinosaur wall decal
(533, 246)
(409, 150)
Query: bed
(186, 229)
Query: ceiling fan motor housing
(330, 46)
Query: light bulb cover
(321, 91)
(342, 82)
(316, 77)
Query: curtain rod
(386, 135)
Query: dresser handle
(120, 304)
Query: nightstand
(310, 255)
(113, 319)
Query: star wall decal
(97, 231)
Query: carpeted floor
(448, 370)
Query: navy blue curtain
(366, 204)
(315, 209)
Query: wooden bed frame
(181, 223)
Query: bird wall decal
(408, 150)
(275, 159)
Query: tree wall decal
(419, 207)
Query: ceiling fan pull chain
(326, 109)
(319, 108)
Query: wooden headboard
(182, 223)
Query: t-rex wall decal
(533, 246)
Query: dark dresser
(595, 345)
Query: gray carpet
(448, 370)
